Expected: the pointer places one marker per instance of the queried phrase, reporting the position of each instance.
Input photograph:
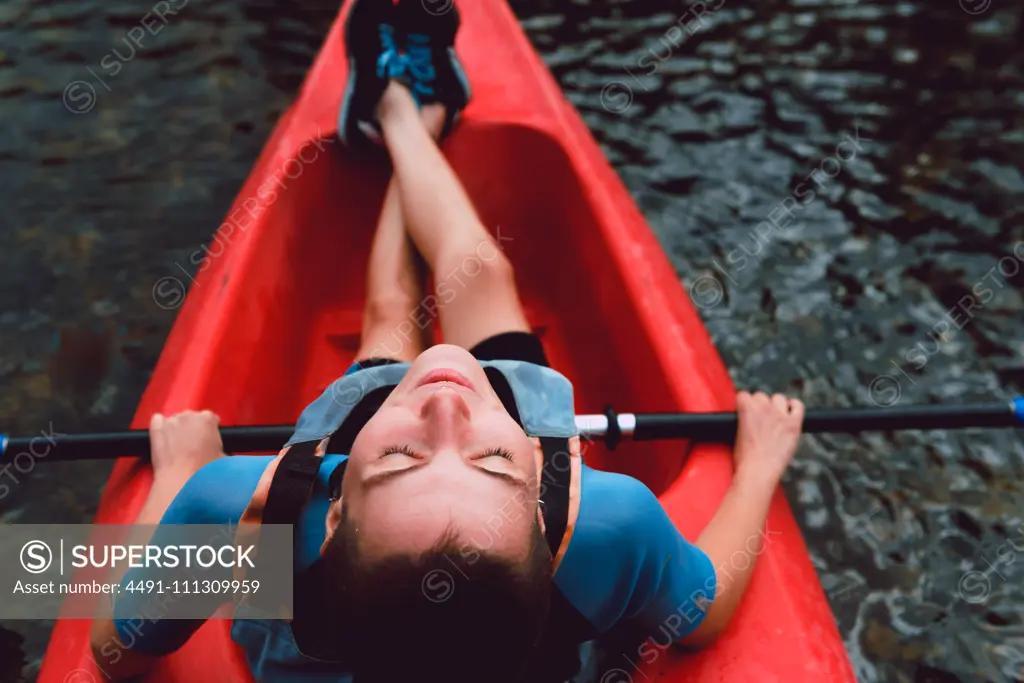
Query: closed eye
(498, 452)
(404, 450)
(407, 451)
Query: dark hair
(453, 613)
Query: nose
(447, 416)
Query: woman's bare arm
(180, 446)
(769, 431)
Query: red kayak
(610, 308)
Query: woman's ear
(331, 522)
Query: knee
(491, 268)
(497, 269)
(387, 309)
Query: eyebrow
(382, 477)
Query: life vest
(538, 398)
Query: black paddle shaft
(721, 427)
(105, 446)
(21, 452)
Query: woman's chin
(446, 356)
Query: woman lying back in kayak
(461, 538)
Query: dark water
(840, 182)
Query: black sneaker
(371, 42)
(433, 71)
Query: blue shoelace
(389, 63)
(418, 62)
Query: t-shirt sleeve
(628, 565)
(676, 582)
(216, 494)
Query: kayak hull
(273, 317)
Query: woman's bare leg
(394, 289)
(476, 292)
(394, 326)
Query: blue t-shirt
(626, 561)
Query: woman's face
(442, 452)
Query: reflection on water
(840, 183)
